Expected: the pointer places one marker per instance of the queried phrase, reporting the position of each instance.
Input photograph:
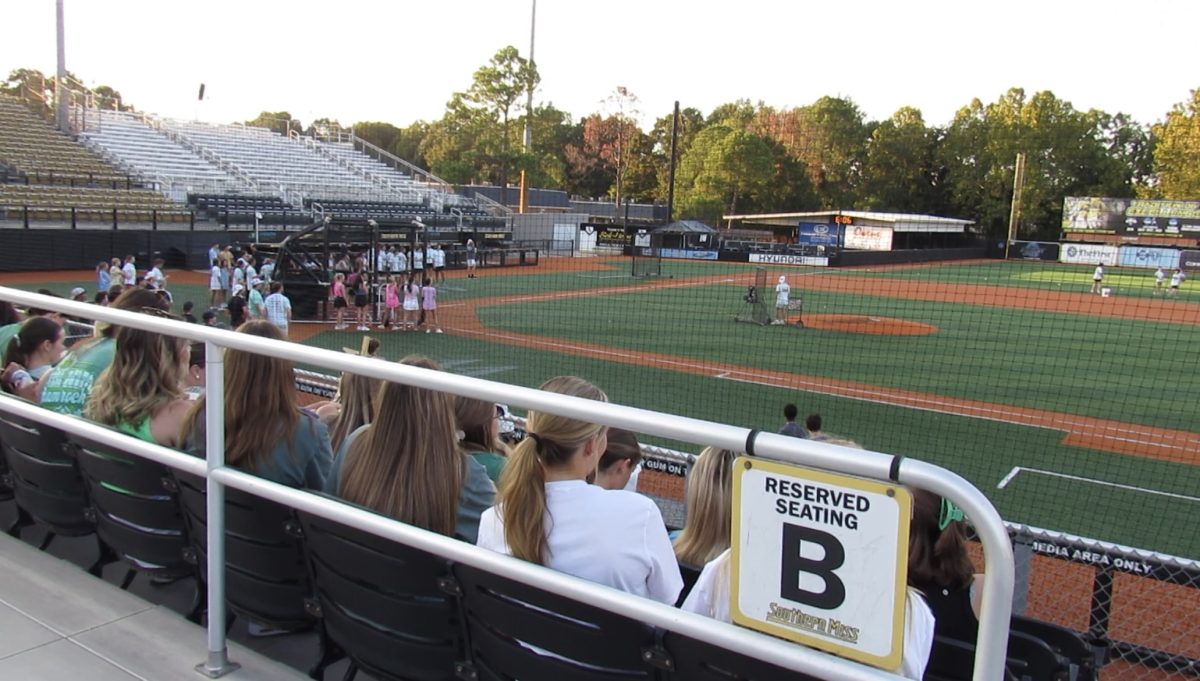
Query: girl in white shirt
(547, 513)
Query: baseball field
(1072, 411)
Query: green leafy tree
(553, 130)
(279, 121)
(1177, 152)
(901, 173)
(106, 97)
(408, 144)
(691, 122)
(726, 170)
(383, 135)
(829, 138)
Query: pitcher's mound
(877, 326)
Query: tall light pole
(60, 88)
(523, 200)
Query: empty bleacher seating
(34, 151)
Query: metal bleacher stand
(998, 556)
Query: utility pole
(671, 167)
(1014, 213)
(60, 88)
(523, 199)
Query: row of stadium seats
(30, 145)
(80, 197)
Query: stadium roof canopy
(685, 227)
(900, 222)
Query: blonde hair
(708, 503)
(146, 372)
(260, 403)
(356, 395)
(551, 442)
(406, 464)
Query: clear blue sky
(399, 61)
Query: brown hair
(937, 558)
(708, 503)
(622, 445)
(260, 403)
(356, 395)
(406, 464)
(29, 337)
(552, 441)
(477, 420)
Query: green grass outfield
(1124, 370)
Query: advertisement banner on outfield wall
(865, 238)
(783, 259)
(1088, 254)
(688, 255)
(1131, 217)
(1033, 250)
(1153, 258)
(1189, 261)
(815, 233)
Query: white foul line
(1013, 474)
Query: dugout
(684, 235)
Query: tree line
(745, 157)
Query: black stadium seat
(385, 605)
(517, 631)
(44, 479)
(692, 660)
(265, 577)
(137, 514)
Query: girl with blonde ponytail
(547, 513)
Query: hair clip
(948, 514)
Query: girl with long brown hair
(406, 464)
(266, 431)
(621, 462)
(547, 513)
(141, 391)
(708, 501)
(478, 420)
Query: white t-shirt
(214, 278)
(278, 306)
(1099, 273)
(418, 260)
(439, 257)
(610, 537)
(268, 269)
(1176, 279)
(710, 597)
(781, 294)
(157, 277)
(1159, 275)
(129, 272)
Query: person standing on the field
(472, 258)
(1176, 280)
(129, 271)
(279, 308)
(782, 292)
(1097, 277)
(439, 263)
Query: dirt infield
(873, 326)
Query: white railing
(998, 556)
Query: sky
(399, 61)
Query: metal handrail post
(218, 663)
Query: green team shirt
(6, 334)
(69, 385)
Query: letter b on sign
(794, 536)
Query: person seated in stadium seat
(813, 423)
(478, 421)
(141, 391)
(30, 355)
(65, 389)
(621, 461)
(406, 464)
(940, 568)
(708, 503)
(711, 594)
(354, 404)
(266, 431)
(547, 513)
